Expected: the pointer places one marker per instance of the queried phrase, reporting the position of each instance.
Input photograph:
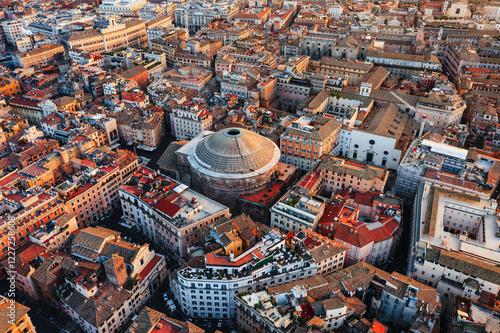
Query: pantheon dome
(236, 151)
(228, 164)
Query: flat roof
(445, 149)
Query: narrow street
(155, 155)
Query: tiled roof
(96, 310)
(6, 313)
(124, 249)
(357, 234)
(346, 63)
(94, 237)
(465, 264)
(168, 160)
(43, 274)
(326, 251)
(357, 170)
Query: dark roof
(168, 160)
(96, 310)
(464, 264)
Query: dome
(235, 150)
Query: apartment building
(255, 15)
(189, 120)
(9, 86)
(406, 300)
(291, 89)
(93, 193)
(168, 213)
(339, 174)
(16, 316)
(279, 20)
(404, 64)
(14, 29)
(296, 211)
(319, 44)
(190, 77)
(456, 55)
(306, 139)
(188, 58)
(28, 211)
(328, 254)
(267, 89)
(460, 221)
(146, 127)
(345, 220)
(41, 56)
(461, 274)
(195, 15)
(115, 36)
(353, 69)
(103, 304)
(327, 301)
(150, 320)
(55, 234)
(118, 7)
(28, 108)
(255, 318)
(492, 11)
(237, 83)
(430, 159)
(210, 292)
(440, 109)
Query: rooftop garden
(65, 186)
(463, 304)
(292, 201)
(131, 283)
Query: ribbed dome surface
(235, 150)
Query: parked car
(391, 259)
(219, 324)
(209, 324)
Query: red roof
(381, 234)
(265, 196)
(79, 138)
(389, 222)
(88, 163)
(365, 198)
(331, 212)
(30, 252)
(357, 234)
(24, 101)
(108, 169)
(310, 180)
(215, 260)
(133, 190)
(166, 206)
(165, 327)
(378, 327)
(80, 190)
(149, 267)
